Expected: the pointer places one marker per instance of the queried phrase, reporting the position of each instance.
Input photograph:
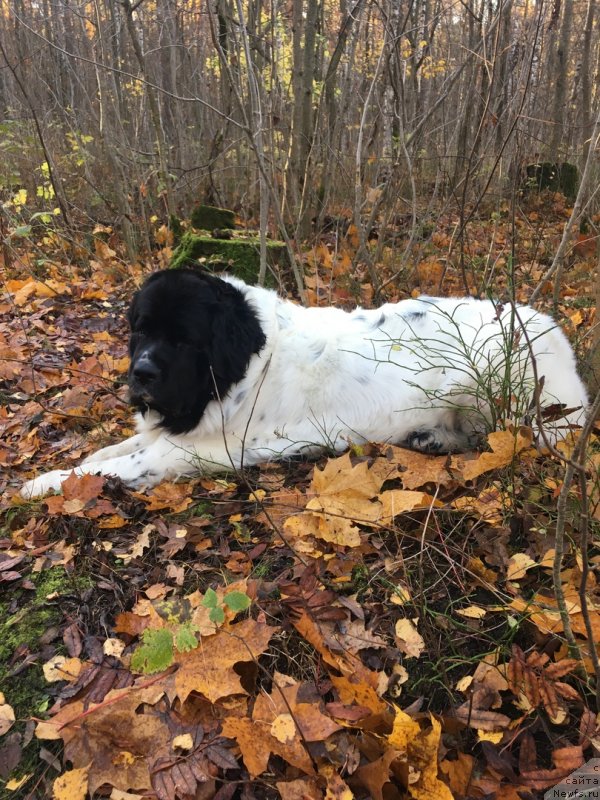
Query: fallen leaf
(183, 742)
(505, 446)
(208, 669)
(60, 668)
(518, 565)
(299, 789)
(283, 728)
(72, 785)
(472, 612)
(7, 716)
(408, 639)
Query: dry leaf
(72, 785)
(505, 446)
(7, 716)
(518, 565)
(60, 668)
(408, 639)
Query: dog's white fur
(422, 372)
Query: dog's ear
(236, 337)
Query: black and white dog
(224, 375)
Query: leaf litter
(377, 625)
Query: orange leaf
(208, 669)
(505, 446)
(257, 743)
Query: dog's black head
(192, 337)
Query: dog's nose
(145, 370)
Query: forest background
(396, 147)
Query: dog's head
(192, 337)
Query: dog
(225, 375)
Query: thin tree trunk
(163, 169)
(586, 79)
(560, 82)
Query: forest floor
(268, 634)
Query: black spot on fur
(240, 396)
(363, 380)
(415, 316)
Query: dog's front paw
(425, 441)
(51, 481)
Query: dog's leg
(161, 460)
(131, 445)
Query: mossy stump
(555, 177)
(205, 218)
(240, 257)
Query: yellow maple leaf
(404, 731)
(505, 446)
(421, 755)
(72, 785)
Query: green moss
(28, 692)
(555, 177)
(176, 228)
(239, 256)
(205, 218)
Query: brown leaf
(414, 469)
(174, 496)
(348, 713)
(208, 669)
(257, 743)
(376, 774)
(300, 789)
(354, 636)
(458, 773)
(481, 719)
(103, 737)
(548, 698)
(565, 759)
(588, 728)
(346, 663)
(307, 718)
(561, 668)
(130, 623)
(72, 640)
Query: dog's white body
(423, 372)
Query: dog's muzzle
(143, 373)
